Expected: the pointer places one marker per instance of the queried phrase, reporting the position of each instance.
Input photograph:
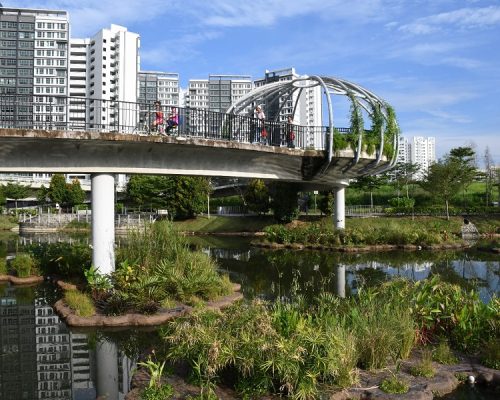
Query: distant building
(161, 86)
(33, 61)
(418, 150)
(78, 82)
(308, 105)
(218, 92)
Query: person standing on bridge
(290, 132)
(158, 121)
(261, 124)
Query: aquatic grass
(292, 347)
(424, 367)
(158, 265)
(23, 265)
(394, 385)
(80, 302)
(359, 233)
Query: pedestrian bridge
(57, 134)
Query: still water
(41, 358)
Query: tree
(404, 174)
(16, 191)
(3, 198)
(465, 160)
(42, 195)
(325, 203)
(256, 196)
(284, 201)
(369, 183)
(74, 194)
(443, 180)
(183, 196)
(57, 188)
(489, 175)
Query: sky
(437, 62)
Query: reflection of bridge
(112, 140)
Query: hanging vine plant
(357, 123)
(371, 138)
(339, 140)
(391, 132)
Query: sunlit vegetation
(80, 302)
(294, 348)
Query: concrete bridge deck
(55, 151)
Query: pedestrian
(261, 124)
(290, 132)
(173, 120)
(158, 114)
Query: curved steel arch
(331, 86)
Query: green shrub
(63, 259)
(79, 302)
(24, 265)
(490, 353)
(446, 310)
(162, 392)
(3, 266)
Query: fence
(99, 115)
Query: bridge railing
(50, 112)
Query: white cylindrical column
(339, 214)
(107, 370)
(103, 222)
(341, 281)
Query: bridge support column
(107, 370)
(341, 281)
(339, 212)
(103, 222)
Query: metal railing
(99, 115)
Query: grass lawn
(224, 224)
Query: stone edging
(360, 249)
(72, 319)
(21, 281)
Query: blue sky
(436, 61)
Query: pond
(42, 358)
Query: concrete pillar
(341, 280)
(103, 222)
(107, 370)
(339, 212)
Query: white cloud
(464, 18)
(89, 16)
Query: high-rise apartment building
(218, 92)
(78, 78)
(418, 150)
(308, 105)
(197, 94)
(161, 86)
(113, 67)
(34, 61)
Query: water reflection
(42, 359)
(267, 274)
